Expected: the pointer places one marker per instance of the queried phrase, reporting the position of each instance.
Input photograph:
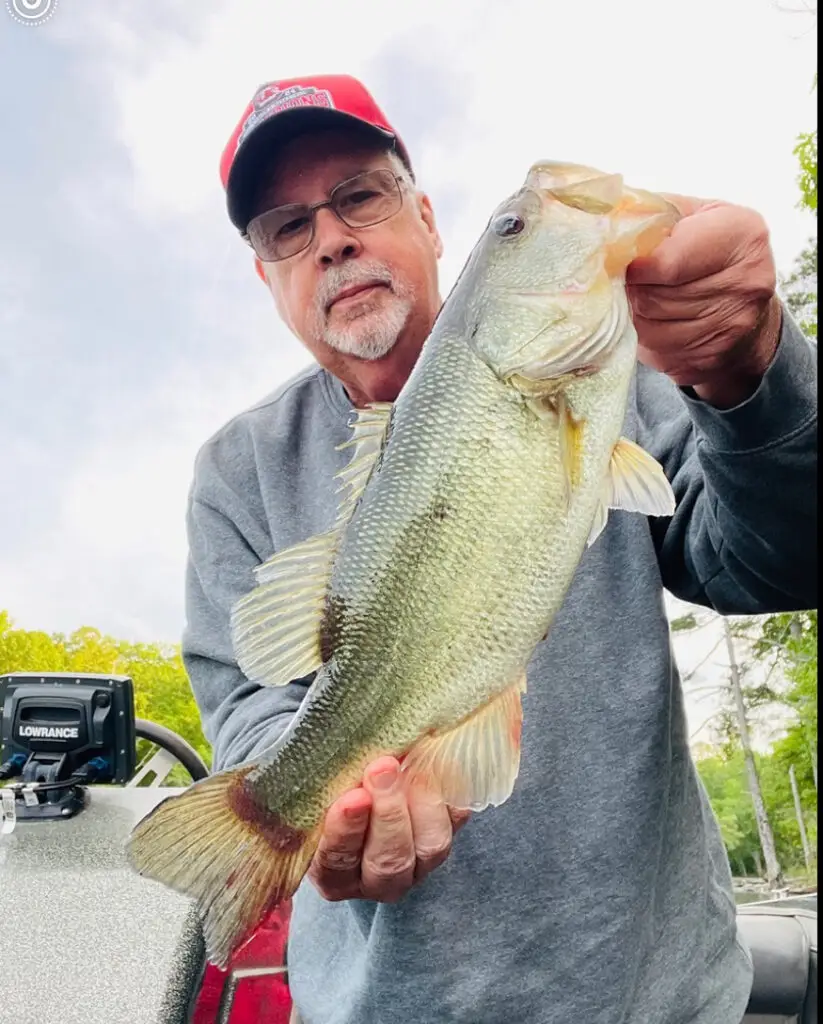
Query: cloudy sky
(131, 322)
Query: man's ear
(427, 214)
(258, 266)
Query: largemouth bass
(465, 510)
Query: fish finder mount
(60, 732)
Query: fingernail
(384, 780)
(355, 813)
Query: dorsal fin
(370, 430)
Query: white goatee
(371, 329)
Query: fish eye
(508, 224)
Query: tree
(801, 286)
(776, 658)
(774, 875)
(800, 289)
(739, 694)
(788, 642)
(723, 774)
(725, 781)
(806, 152)
(162, 692)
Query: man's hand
(705, 303)
(382, 837)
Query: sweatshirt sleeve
(240, 718)
(743, 538)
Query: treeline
(162, 692)
(784, 650)
(725, 780)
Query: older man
(600, 892)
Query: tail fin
(236, 859)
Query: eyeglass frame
(311, 212)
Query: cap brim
(268, 136)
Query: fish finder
(60, 732)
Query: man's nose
(335, 241)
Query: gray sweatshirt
(600, 893)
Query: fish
(465, 508)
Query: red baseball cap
(279, 111)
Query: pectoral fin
(276, 628)
(476, 763)
(635, 482)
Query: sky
(132, 325)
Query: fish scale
(465, 510)
(512, 527)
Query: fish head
(553, 258)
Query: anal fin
(635, 482)
(475, 763)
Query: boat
(85, 940)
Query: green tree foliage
(724, 776)
(800, 288)
(806, 153)
(789, 642)
(725, 780)
(786, 647)
(774, 771)
(162, 692)
(684, 623)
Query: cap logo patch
(271, 99)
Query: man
(600, 892)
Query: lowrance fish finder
(59, 732)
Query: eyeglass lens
(361, 201)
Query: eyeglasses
(359, 202)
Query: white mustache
(353, 273)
